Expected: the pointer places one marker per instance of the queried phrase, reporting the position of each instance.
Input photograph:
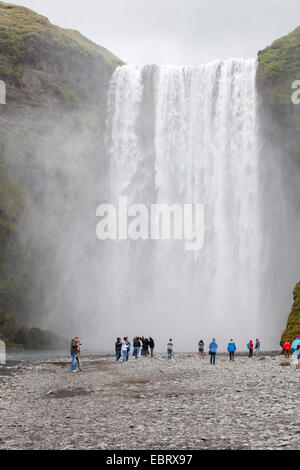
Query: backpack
(73, 348)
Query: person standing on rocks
(78, 353)
(118, 348)
(128, 345)
(295, 348)
(296, 355)
(142, 345)
(145, 347)
(257, 346)
(201, 349)
(170, 347)
(213, 351)
(295, 343)
(73, 352)
(124, 350)
(286, 349)
(151, 345)
(250, 347)
(231, 348)
(136, 347)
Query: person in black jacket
(151, 345)
(142, 339)
(145, 342)
(118, 348)
(136, 346)
(201, 349)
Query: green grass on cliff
(279, 66)
(293, 321)
(23, 32)
(10, 209)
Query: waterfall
(187, 135)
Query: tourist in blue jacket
(212, 351)
(231, 348)
(295, 343)
(128, 345)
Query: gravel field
(184, 403)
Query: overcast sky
(174, 31)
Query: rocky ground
(152, 404)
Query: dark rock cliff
(56, 87)
(293, 321)
(278, 72)
(52, 132)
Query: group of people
(293, 348)
(231, 348)
(145, 347)
(140, 346)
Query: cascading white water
(187, 135)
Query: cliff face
(44, 64)
(279, 67)
(52, 126)
(293, 321)
(51, 136)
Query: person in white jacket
(125, 350)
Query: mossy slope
(46, 61)
(279, 66)
(293, 321)
(25, 36)
(56, 81)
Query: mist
(164, 142)
(160, 134)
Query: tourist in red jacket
(250, 346)
(286, 349)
